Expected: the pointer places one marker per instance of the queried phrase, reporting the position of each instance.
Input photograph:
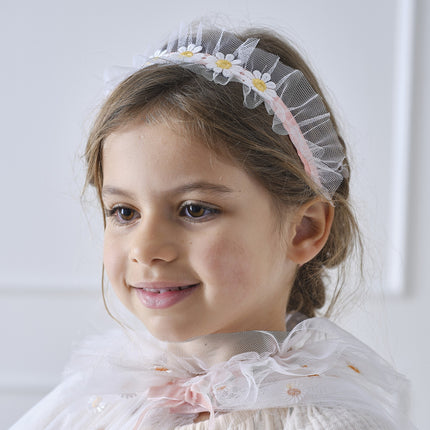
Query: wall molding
(49, 287)
(401, 141)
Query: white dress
(315, 376)
(295, 418)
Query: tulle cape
(127, 379)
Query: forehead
(143, 154)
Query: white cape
(127, 379)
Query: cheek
(112, 260)
(227, 264)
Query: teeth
(151, 290)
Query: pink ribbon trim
(180, 399)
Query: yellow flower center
(187, 54)
(223, 64)
(259, 84)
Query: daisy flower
(226, 65)
(157, 54)
(262, 84)
(96, 403)
(294, 393)
(156, 57)
(189, 51)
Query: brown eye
(122, 215)
(126, 214)
(195, 211)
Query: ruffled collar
(163, 385)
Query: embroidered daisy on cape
(262, 84)
(225, 64)
(294, 393)
(96, 403)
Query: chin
(171, 332)
(169, 335)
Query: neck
(219, 347)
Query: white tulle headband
(298, 111)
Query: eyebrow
(186, 188)
(203, 186)
(113, 191)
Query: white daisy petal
(266, 77)
(257, 74)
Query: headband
(298, 111)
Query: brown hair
(216, 115)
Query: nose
(152, 242)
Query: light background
(53, 57)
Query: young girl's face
(192, 242)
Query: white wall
(53, 57)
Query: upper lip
(162, 285)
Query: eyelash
(209, 212)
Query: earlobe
(310, 230)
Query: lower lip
(165, 299)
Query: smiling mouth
(161, 295)
(165, 290)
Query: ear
(309, 230)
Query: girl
(224, 184)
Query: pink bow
(181, 399)
(178, 398)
